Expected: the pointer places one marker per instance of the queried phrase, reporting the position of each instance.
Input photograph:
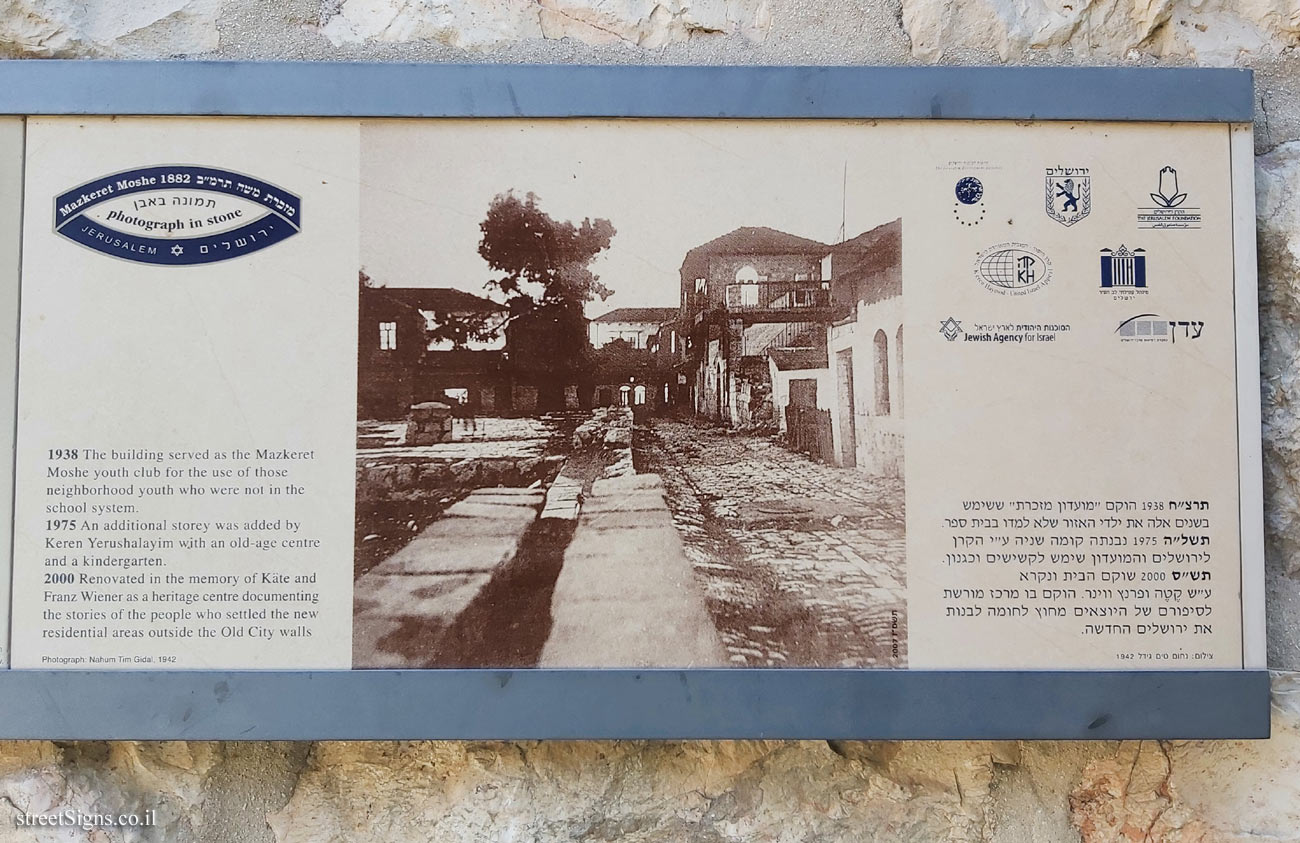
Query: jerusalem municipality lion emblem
(1069, 194)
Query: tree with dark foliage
(547, 280)
(461, 328)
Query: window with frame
(387, 336)
(742, 295)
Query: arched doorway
(881, 356)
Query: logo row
(1068, 199)
(1019, 268)
(1143, 328)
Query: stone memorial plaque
(346, 392)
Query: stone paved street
(803, 562)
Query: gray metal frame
(324, 89)
(528, 704)
(521, 704)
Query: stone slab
(624, 502)
(441, 555)
(630, 546)
(616, 519)
(492, 496)
(508, 491)
(627, 483)
(404, 605)
(563, 499)
(399, 618)
(600, 580)
(490, 511)
(414, 595)
(627, 595)
(661, 633)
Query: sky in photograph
(667, 186)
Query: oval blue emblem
(177, 215)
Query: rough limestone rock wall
(1190, 792)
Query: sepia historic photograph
(611, 415)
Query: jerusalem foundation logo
(177, 215)
(1169, 208)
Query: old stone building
(742, 294)
(851, 366)
(634, 325)
(404, 359)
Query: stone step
(404, 606)
(627, 595)
(563, 499)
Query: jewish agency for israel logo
(177, 215)
(950, 328)
(1069, 194)
(1170, 209)
(969, 207)
(1013, 269)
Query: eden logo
(177, 215)
(1151, 327)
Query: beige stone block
(452, 550)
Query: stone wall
(413, 478)
(735, 791)
(607, 437)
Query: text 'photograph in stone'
(628, 394)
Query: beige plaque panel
(185, 432)
(1073, 496)
(1010, 348)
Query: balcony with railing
(776, 295)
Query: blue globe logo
(969, 190)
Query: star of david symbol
(178, 250)
(950, 328)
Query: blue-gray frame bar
(338, 89)
(526, 704)
(681, 704)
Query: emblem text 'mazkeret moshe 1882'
(177, 215)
